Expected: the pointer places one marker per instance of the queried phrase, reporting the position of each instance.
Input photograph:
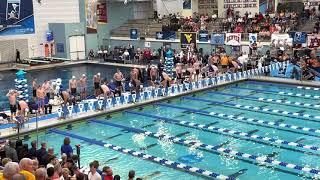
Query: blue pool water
(123, 129)
(65, 73)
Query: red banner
(102, 13)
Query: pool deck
(26, 67)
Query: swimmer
(65, 97)
(23, 108)
(40, 98)
(105, 91)
(153, 75)
(190, 72)
(96, 83)
(179, 73)
(118, 76)
(12, 95)
(134, 79)
(196, 67)
(83, 87)
(73, 86)
(165, 80)
(34, 89)
(47, 87)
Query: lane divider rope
(161, 161)
(276, 101)
(217, 148)
(308, 96)
(306, 117)
(267, 140)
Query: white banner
(281, 39)
(233, 39)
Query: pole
(78, 153)
(37, 128)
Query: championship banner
(253, 37)
(16, 17)
(281, 39)
(186, 4)
(217, 39)
(102, 13)
(313, 40)
(203, 36)
(233, 39)
(187, 38)
(168, 35)
(91, 16)
(298, 37)
(133, 33)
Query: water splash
(165, 143)
(139, 139)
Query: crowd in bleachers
(18, 162)
(129, 53)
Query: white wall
(142, 10)
(165, 7)
(242, 10)
(49, 11)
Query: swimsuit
(96, 85)
(40, 102)
(73, 91)
(13, 108)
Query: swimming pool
(65, 73)
(247, 130)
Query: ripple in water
(139, 139)
(165, 143)
(193, 149)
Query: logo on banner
(253, 38)
(233, 39)
(186, 39)
(133, 33)
(13, 9)
(217, 39)
(159, 35)
(203, 36)
(313, 41)
(299, 37)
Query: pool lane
(262, 160)
(174, 152)
(285, 86)
(270, 100)
(160, 161)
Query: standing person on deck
(118, 76)
(96, 84)
(73, 88)
(34, 89)
(23, 108)
(83, 87)
(40, 98)
(12, 95)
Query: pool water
(65, 73)
(198, 108)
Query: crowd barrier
(150, 93)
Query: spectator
(4, 162)
(93, 174)
(116, 177)
(35, 164)
(41, 174)
(50, 173)
(131, 175)
(11, 152)
(46, 158)
(96, 163)
(65, 174)
(66, 147)
(41, 153)
(10, 169)
(26, 168)
(57, 171)
(107, 173)
(52, 161)
(33, 150)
